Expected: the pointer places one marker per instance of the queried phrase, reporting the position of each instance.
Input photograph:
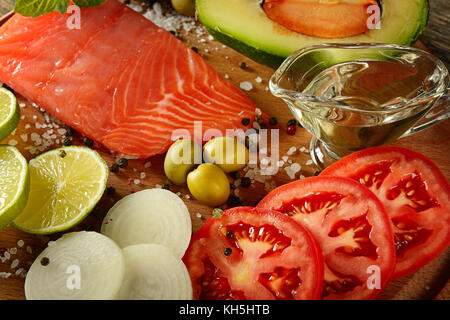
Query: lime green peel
(65, 185)
(14, 184)
(9, 113)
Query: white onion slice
(154, 273)
(81, 266)
(154, 216)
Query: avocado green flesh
(244, 26)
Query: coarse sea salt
(165, 17)
(291, 151)
(15, 263)
(246, 85)
(292, 170)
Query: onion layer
(154, 216)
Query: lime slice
(65, 185)
(14, 184)
(9, 113)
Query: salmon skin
(119, 80)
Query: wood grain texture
(429, 282)
(438, 30)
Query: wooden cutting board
(427, 283)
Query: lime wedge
(65, 185)
(9, 113)
(14, 184)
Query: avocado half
(244, 26)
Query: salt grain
(15, 263)
(19, 271)
(246, 85)
(20, 243)
(13, 250)
(292, 170)
(165, 17)
(291, 151)
(258, 80)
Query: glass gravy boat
(356, 96)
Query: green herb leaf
(88, 3)
(34, 8)
(217, 213)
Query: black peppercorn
(67, 141)
(114, 168)
(246, 182)
(88, 142)
(62, 153)
(227, 251)
(122, 162)
(195, 49)
(292, 122)
(230, 234)
(45, 261)
(110, 191)
(235, 175)
(245, 121)
(234, 201)
(273, 121)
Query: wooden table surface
(427, 283)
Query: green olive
(209, 185)
(180, 159)
(186, 7)
(226, 152)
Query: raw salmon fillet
(119, 80)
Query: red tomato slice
(352, 228)
(256, 255)
(416, 196)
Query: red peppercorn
(291, 130)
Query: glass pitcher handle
(439, 112)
